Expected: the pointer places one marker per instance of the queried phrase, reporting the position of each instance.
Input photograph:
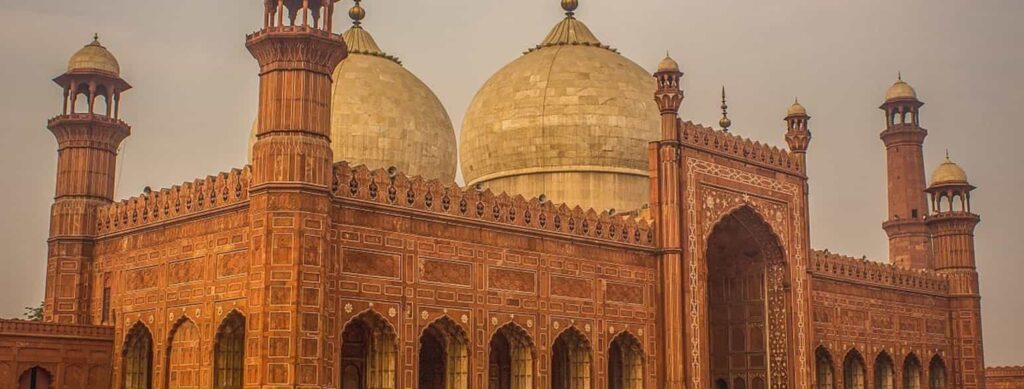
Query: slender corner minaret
(798, 135)
(909, 242)
(88, 134)
(290, 197)
(666, 204)
(952, 229)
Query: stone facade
(302, 272)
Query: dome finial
(357, 13)
(570, 6)
(725, 122)
(947, 155)
(899, 75)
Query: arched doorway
(444, 356)
(746, 299)
(35, 378)
(510, 362)
(229, 352)
(824, 373)
(138, 358)
(885, 372)
(854, 373)
(570, 361)
(625, 363)
(937, 373)
(721, 383)
(911, 372)
(183, 356)
(369, 353)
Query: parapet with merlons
(865, 272)
(57, 330)
(448, 200)
(733, 146)
(188, 199)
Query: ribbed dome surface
(94, 57)
(900, 91)
(570, 119)
(949, 173)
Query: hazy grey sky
(195, 98)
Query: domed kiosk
(570, 119)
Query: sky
(194, 99)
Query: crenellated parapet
(863, 271)
(432, 196)
(44, 329)
(190, 198)
(721, 142)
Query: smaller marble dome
(949, 173)
(796, 109)
(94, 57)
(900, 91)
(668, 65)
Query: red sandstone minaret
(88, 134)
(909, 243)
(952, 227)
(798, 135)
(666, 192)
(292, 168)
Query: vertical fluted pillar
(666, 204)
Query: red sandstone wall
(874, 307)
(1004, 377)
(160, 274)
(73, 356)
(414, 270)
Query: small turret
(669, 96)
(798, 135)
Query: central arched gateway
(747, 322)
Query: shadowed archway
(35, 378)
(444, 356)
(229, 352)
(746, 301)
(625, 363)
(885, 372)
(511, 359)
(911, 372)
(854, 371)
(570, 360)
(937, 373)
(137, 370)
(369, 353)
(824, 369)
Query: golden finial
(357, 13)
(569, 6)
(725, 122)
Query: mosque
(600, 241)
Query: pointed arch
(911, 372)
(854, 371)
(511, 358)
(824, 369)
(35, 377)
(937, 377)
(885, 371)
(369, 352)
(444, 355)
(229, 352)
(183, 355)
(625, 362)
(137, 358)
(746, 272)
(571, 360)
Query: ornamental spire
(570, 7)
(725, 122)
(357, 13)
